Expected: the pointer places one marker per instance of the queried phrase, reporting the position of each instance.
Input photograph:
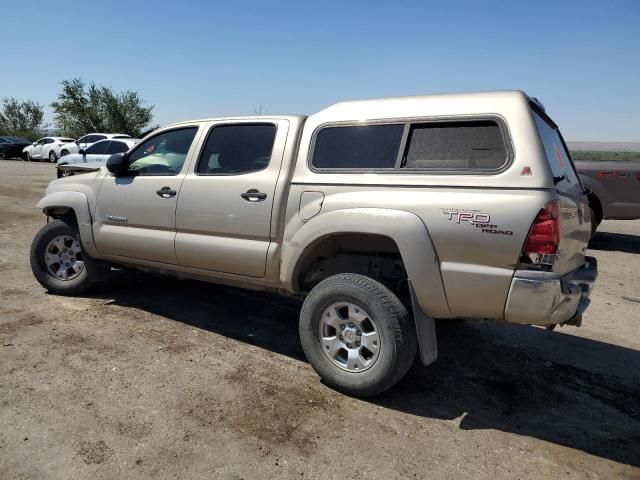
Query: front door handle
(253, 195)
(166, 192)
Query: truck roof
(389, 107)
(240, 118)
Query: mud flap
(426, 330)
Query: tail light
(542, 242)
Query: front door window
(163, 154)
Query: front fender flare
(406, 229)
(77, 202)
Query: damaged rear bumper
(547, 298)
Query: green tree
(23, 119)
(83, 108)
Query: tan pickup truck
(383, 214)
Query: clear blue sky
(198, 59)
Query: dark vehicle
(614, 188)
(11, 147)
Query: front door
(223, 219)
(135, 215)
(37, 149)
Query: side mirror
(118, 164)
(34, 143)
(81, 151)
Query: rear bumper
(546, 298)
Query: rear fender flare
(406, 229)
(77, 202)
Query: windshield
(17, 140)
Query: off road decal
(477, 218)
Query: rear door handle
(253, 195)
(166, 192)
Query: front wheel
(27, 157)
(53, 158)
(357, 335)
(59, 262)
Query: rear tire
(597, 213)
(64, 152)
(357, 335)
(59, 262)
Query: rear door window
(94, 138)
(237, 149)
(561, 165)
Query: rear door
(223, 217)
(96, 152)
(135, 213)
(575, 213)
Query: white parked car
(47, 148)
(98, 153)
(87, 140)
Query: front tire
(59, 262)
(27, 157)
(357, 335)
(53, 158)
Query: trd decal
(476, 218)
(472, 216)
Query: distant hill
(621, 151)
(605, 146)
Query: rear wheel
(59, 262)
(597, 213)
(64, 152)
(357, 335)
(53, 158)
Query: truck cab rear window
(449, 146)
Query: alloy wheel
(349, 337)
(63, 257)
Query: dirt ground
(160, 378)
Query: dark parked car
(614, 188)
(11, 147)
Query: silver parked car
(84, 142)
(383, 214)
(98, 153)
